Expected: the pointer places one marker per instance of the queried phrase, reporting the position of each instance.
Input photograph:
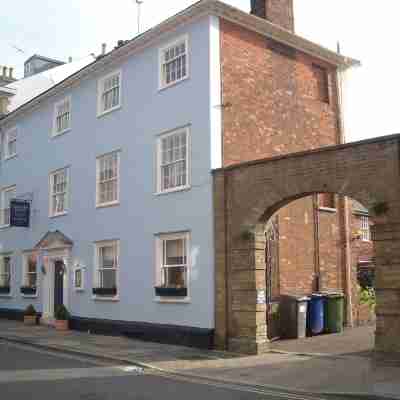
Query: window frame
(187, 186)
(2, 208)
(82, 270)
(10, 255)
(159, 255)
(100, 92)
(98, 159)
(365, 231)
(96, 281)
(66, 193)
(54, 132)
(161, 84)
(7, 155)
(25, 273)
(323, 72)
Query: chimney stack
(10, 73)
(103, 49)
(279, 12)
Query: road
(27, 373)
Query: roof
(54, 239)
(199, 9)
(28, 88)
(51, 60)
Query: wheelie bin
(334, 313)
(316, 314)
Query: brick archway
(247, 194)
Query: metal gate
(272, 277)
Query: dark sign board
(20, 212)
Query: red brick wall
(272, 106)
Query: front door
(58, 283)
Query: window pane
(174, 63)
(107, 257)
(174, 277)
(31, 280)
(108, 278)
(78, 278)
(175, 252)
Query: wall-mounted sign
(20, 212)
(261, 298)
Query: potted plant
(30, 316)
(62, 318)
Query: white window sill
(173, 300)
(6, 296)
(29, 296)
(79, 290)
(104, 298)
(58, 215)
(327, 209)
(5, 226)
(177, 189)
(57, 134)
(111, 204)
(101, 114)
(6, 158)
(163, 87)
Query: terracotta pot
(61, 325)
(30, 320)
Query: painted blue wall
(145, 113)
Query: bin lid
(333, 295)
(318, 295)
(302, 298)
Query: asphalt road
(26, 373)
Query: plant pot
(62, 325)
(30, 320)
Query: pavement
(330, 364)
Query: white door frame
(53, 255)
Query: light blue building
(116, 161)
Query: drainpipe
(344, 207)
(317, 268)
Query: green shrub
(30, 311)
(367, 296)
(62, 313)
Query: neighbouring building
(37, 63)
(116, 163)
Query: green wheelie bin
(334, 312)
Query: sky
(367, 31)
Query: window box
(4, 289)
(28, 290)
(105, 291)
(170, 291)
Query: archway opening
(320, 244)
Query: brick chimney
(279, 12)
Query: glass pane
(108, 278)
(31, 280)
(175, 252)
(78, 278)
(107, 257)
(174, 277)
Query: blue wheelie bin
(316, 314)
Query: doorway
(59, 270)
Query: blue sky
(367, 30)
